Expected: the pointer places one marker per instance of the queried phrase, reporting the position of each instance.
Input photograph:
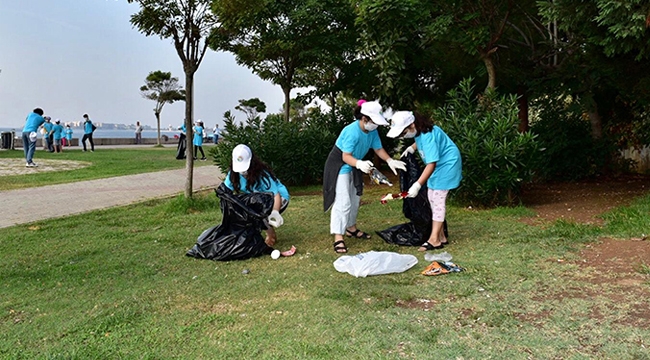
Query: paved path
(27, 205)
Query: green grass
(104, 163)
(116, 284)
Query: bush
(497, 159)
(570, 151)
(296, 151)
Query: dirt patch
(582, 201)
(10, 167)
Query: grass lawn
(116, 284)
(103, 163)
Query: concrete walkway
(33, 204)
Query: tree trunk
(491, 71)
(522, 98)
(287, 102)
(189, 149)
(158, 121)
(596, 124)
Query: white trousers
(346, 205)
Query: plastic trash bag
(239, 234)
(180, 149)
(374, 263)
(443, 256)
(417, 210)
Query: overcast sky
(71, 57)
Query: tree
(162, 88)
(276, 39)
(187, 23)
(251, 107)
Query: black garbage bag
(182, 145)
(417, 210)
(239, 235)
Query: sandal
(358, 234)
(339, 247)
(428, 246)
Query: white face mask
(370, 126)
(410, 134)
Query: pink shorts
(437, 199)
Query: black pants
(50, 142)
(90, 138)
(196, 148)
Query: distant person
(33, 121)
(198, 140)
(182, 143)
(89, 128)
(43, 132)
(216, 132)
(48, 135)
(68, 135)
(57, 134)
(138, 133)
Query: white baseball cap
(372, 109)
(241, 158)
(401, 120)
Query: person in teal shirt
(48, 133)
(88, 133)
(33, 121)
(342, 184)
(68, 135)
(248, 174)
(198, 139)
(57, 133)
(442, 171)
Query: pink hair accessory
(360, 102)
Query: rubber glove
(364, 165)
(409, 150)
(414, 190)
(396, 164)
(275, 219)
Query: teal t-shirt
(198, 136)
(57, 130)
(32, 122)
(265, 185)
(436, 147)
(355, 141)
(68, 133)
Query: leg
(92, 144)
(202, 153)
(437, 199)
(271, 236)
(339, 217)
(83, 140)
(26, 146)
(196, 149)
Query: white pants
(346, 205)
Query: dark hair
(85, 115)
(39, 111)
(258, 172)
(422, 123)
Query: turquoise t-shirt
(436, 147)
(88, 127)
(57, 130)
(198, 136)
(32, 122)
(68, 133)
(48, 126)
(265, 185)
(356, 142)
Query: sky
(71, 57)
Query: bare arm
(426, 173)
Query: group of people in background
(55, 135)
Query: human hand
(396, 164)
(275, 219)
(364, 165)
(414, 190)
(409, 150)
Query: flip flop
(340, 249)
(357, 234)
(428, 246)
(289, 252)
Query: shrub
(497, 159)
(296, 151)
(570, 151)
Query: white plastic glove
(409, 150)
(364, 165)
(414, 190)
(275, 219)
(396, 164)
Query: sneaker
(203, 159)
(33, 164)
(30, 164)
